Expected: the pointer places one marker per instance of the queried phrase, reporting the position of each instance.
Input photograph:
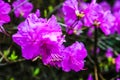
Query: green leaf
(36, 72)
(13, 56)
(12, 78)
(45, 13)
(106, 67)
(50, 8)
(110, 60)
(81, 79)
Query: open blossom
(28, 37)
(73, 57)
(117, 62)
(37, 37)
(22, 8)
(97, 16)
(72, 12)
(80, 14)
(4, 11)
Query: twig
(96, 72)
(7, 63)
(4, 57)
(91, 60)
(3, 31)
(102, 78)
(107, 46)
(63, 24)
(95, 52)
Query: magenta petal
(73, 57)
(4, 11)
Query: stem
(3, 31)
(95, 42)
(96, 72)
(95, 52)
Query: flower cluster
(4, 11)
(74, 57)
(20, 8)
(44, 38)
(88, 14)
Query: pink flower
(37, 37)
(22, 8)
(97, 16)
(73, 57)
(72, 13)
(4, 11)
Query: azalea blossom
(34, 33)
(22, 8)
(73, 57)
(78, 14)
(5, 8)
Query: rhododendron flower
(37, 37)
(109, 53)
(4, 11)
(89, 15)
(90, 77)
(97, 16)
(117, 62)
(72, 12)
(22, 8)
(73, 57)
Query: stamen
(96, 23)
(56, 58)
(79, 14)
